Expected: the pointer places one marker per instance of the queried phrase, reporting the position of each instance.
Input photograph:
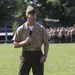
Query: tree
(15, 26)
(7, 9)
(64, 10)
(67, 11)
(11, 9)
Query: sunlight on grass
(60, 60)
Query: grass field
(60, 60)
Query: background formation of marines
(61, 34)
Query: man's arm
(22, 43)
(46, 48)
(18, 44)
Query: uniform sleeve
(45, 35)
(17, 36)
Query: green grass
(60, 60)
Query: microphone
(30, 33)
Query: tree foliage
(11, 9)
(67, 12)
(7, 9)
(15, 26)
(64, 10)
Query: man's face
(32, 17)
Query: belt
(32, 49)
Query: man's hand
(28, 40)
(43, 59)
